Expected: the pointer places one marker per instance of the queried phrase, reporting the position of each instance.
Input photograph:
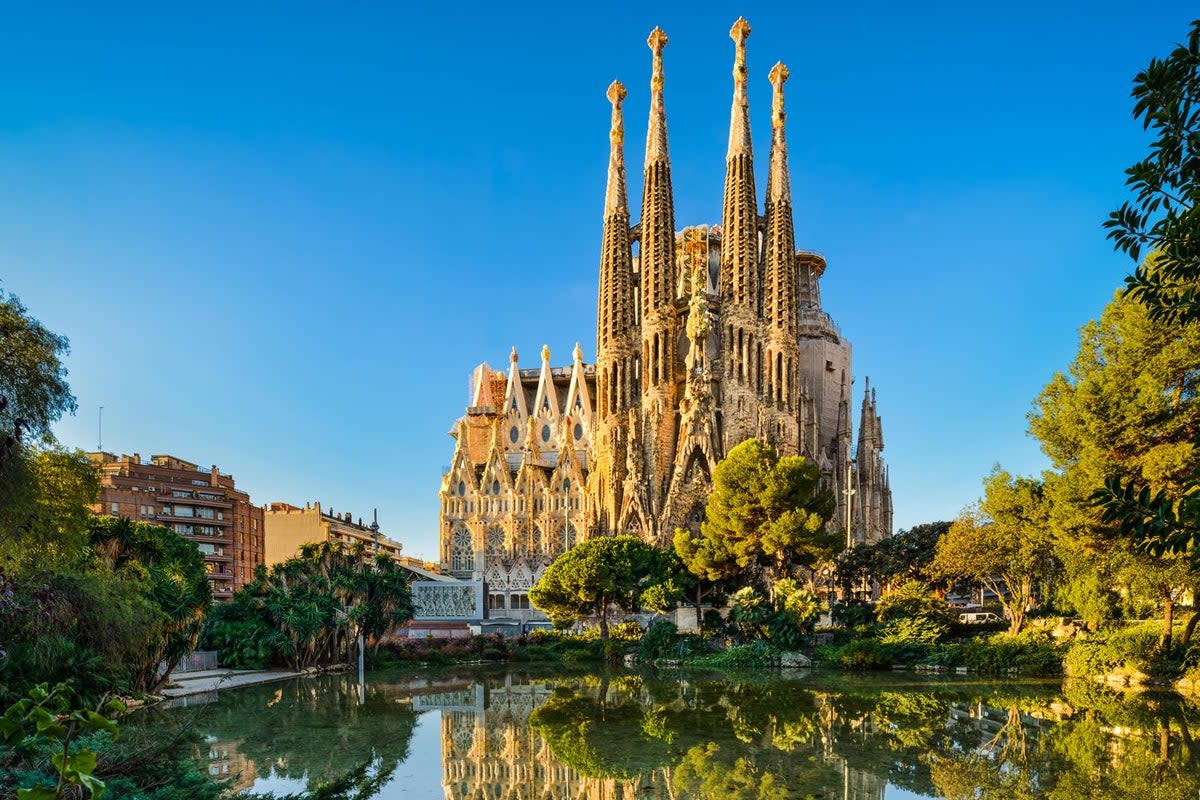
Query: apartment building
(202, 504)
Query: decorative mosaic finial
(577, 353)
(513, 355)
(656, 135)
(545, 352)
(740, 32)
(616, 199)
(779, 75)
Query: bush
(853, 613)
(756, 656)
(861, 654)
(661, 641)
(1130, 649)
(628, 631)
(1030, 656)
(913, 613)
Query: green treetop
(593, 576)
(1004, 544)
(766, 517)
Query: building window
(545, 433)
(114, 508)
(519, 601)
(495, 487)
(496, 602)
(514, 434)
(578, 431)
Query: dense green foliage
(1004, 544)
(132, 599)
(309, 610)
(765, 520)
(34, 389)
(905, 556)
(1162, 217)
(784, 619)
(1126, 411)
(594, 576)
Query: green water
(535, 735)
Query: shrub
(913, 613)
(757, 655)
(661, 641)
(853, 613)
(862, 654)
(628, 631)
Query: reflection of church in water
(490, 751)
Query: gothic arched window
(462, 551)
(494, 543)
(570, 537)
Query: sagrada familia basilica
(705, 337)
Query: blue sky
(280, 237)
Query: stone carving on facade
(438, 600)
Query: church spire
(658, 205)
(780, 307)
(616, 312)
(739, 215)
(616, 199)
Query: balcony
(193, 520)
(194, 501)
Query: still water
(540, 735)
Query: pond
(542, 735)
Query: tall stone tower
(705, 337)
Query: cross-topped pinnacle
(617, 93)
(740, 31)
(657, 40)
(778, 76)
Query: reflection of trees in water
(313, 729)
(588, 737)
(765, 739)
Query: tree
(176, 584)
(894, 560)
(33, 380)
(1004, 544)
(1125, 413)
(1162, 217)
(1162, 220)
(766, 516)
(313, 606)
(592, 577)
(45, 509)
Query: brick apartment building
(201, 504)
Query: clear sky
(279, 237)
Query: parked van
(979, 618)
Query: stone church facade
(705, 337)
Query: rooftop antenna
(100, 429)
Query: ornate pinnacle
(616, 95)
(740, 32)
(513, 355)
(779, 75)
(545, 352)
(577, 353)
(657, 41)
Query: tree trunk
(604, 620)
(1190, 628)
(1168, 620)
